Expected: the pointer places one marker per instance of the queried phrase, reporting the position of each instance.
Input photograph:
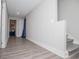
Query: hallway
(19, 48)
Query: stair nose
(72, 49)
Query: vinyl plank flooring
(19, 48)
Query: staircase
(72, 48)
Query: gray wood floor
(19, 48)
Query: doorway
(12, 31)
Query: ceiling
(20, 8)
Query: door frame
(10, 25)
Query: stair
(69, 41)
(71, 47)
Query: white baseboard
(62, 54)
(4, 44)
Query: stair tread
(72, 47)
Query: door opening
(12, 31)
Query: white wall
(4, 26)
(0, 23)
(45, 13)
(19, 25)
(69, 10)
(42, 28)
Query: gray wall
(69, 10)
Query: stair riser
(69, 41)
(69, 44)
